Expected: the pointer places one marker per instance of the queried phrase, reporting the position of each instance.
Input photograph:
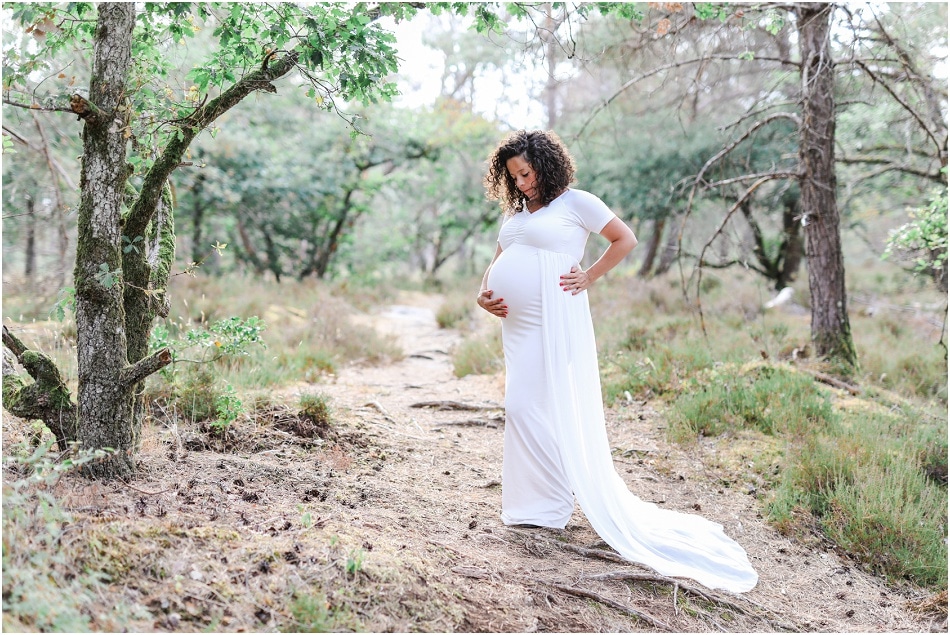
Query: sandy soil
(393, 522)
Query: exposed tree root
(486, 423)
(595, 553)
(831, 381)
(451, 405)
(47, 398)
(640, 615)
(709, 596)
(676, 585)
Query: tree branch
(903, 104)
(893, 166)
(656, 71)
(748, 133)
(35, 106)
(702, 254)
(771, 176)
(758, 111)
(87, 111)
(144, 208)
(138, 371)
(46, 399)
(12, 342)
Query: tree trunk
(653, 247)
(197, 221)
(769, 267)
(671, 252)
(29, 266)
(830, 328)
(104, 401)
(792, 248)
(146, 264)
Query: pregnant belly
(516, 277)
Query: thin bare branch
(36, 106)
(758, 111)
(748, 133)
(656, 71)
(771, 176)
(702, 254)
(63, 173)
(893, 166)
(874, 77)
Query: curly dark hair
(546, 153)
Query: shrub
(767, 398)
(453, 312)
(195, 393)
(923, 240)
(868, 483)
(316, 408)
(315, 614)
(227, 407)
(479, 354)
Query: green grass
(313, 613)
(873, 483)
(868, 473)
(770, 399)
(455, 311)
(893, 355)
(43, 590)
(195, 392)
(479, 353)
(310, 329)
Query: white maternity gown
(556, 445)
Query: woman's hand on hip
(495, 307)
(576, 281)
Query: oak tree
(136, 131)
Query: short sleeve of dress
(592, 213)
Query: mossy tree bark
(46, 399)
(830, 327)
(146, 263)
(104, 401)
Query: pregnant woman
(556, 445)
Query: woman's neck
(535, 204)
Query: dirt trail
(397, 519)
(445, 493)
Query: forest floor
(389, 521)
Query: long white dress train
(556, 444)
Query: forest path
(391, 522)
(442, 494)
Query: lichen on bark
(47, 398)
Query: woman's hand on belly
(495, 307)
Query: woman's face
(526, 180)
